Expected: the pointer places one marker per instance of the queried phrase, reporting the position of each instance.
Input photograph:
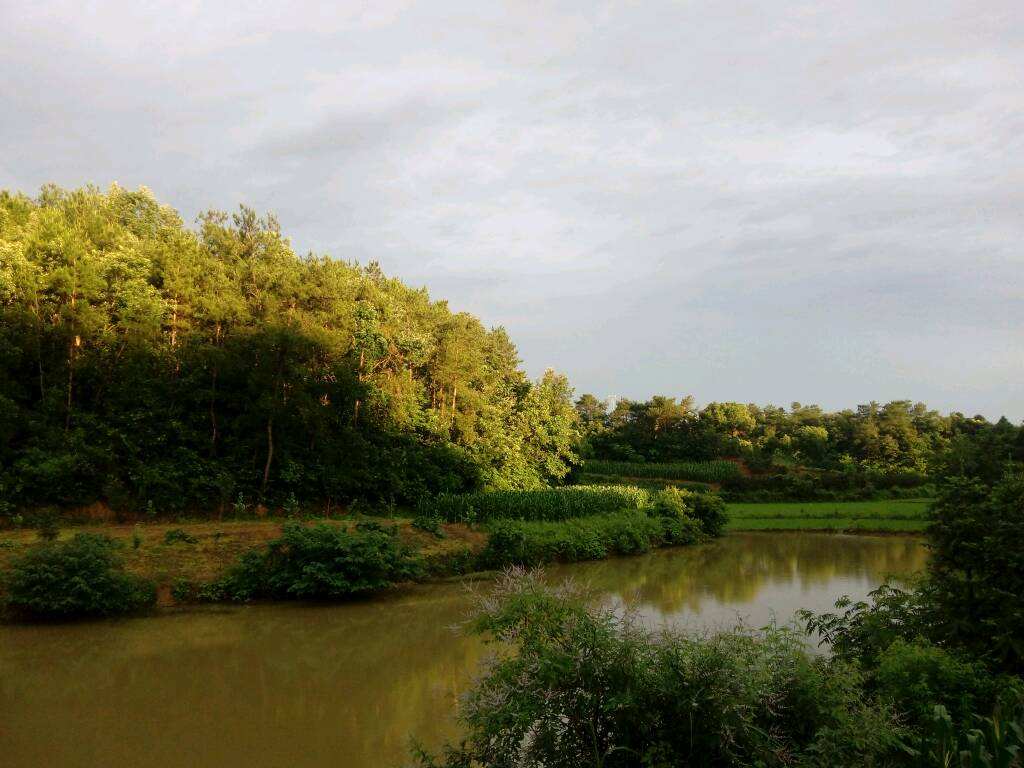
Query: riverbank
(179, 557)
(202, 552)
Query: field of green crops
(702, 471)
(884, 515)
(652, 484)
(543, 504)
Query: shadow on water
(299, 685)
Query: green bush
(429, 524)
(916, 676)
(825, 485)
(584, 686)
(322, 561)
(542, 504)
(706, 508)
(516, 542)
(178, 535)
(79, 577)
(47, 524)
(976, 570)
(859, 632)
(709, 510)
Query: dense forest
(157, 367)
(898, 438)
(154, 366)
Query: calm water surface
(287, 685)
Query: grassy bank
(205, 551)
(885, 515)
(68, 572)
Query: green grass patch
(824, 524)
(884, 515)
(887, 509)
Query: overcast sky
(764, 201)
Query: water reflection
(753, 576)
(284, 685)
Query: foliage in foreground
(587, 687)
(976, 571)
(971, 599)
(322, 561)
(82, 576)
(947, 654)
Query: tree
(976, 571)
(147, 363)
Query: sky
(766, 201)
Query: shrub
(709, 510)
(79, 577)
(322, 561)
(584, 686)
(706, 508)
(542, 504)
(179, 535)
(47, 525)
(825, 485)
(429, 524)
(516, 542)
(916, 676)
(861, 631)
(976, 570)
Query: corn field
(703, 471)
(543, 504)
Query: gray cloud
(759, 201)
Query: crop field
(542, 504)
(884, 515)
(702, 471)
(651, 483)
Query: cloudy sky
(761, 201)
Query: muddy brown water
(348, 685)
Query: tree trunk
(174, 337)
(213, 397)
(39, 349)
(174, 324)
(75, 342)
(213, 415)
(270, 455)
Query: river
(347, 685)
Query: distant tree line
(896, 437)
(155, 366)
